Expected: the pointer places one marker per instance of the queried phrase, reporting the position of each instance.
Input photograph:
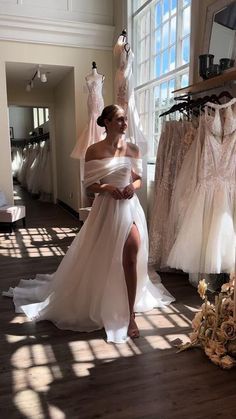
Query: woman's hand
(128, 191)
(114, 192)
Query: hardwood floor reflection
(49, 373)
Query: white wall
(21, 119)
(67, 168)
(90, 11)
(5, 156)
(80, 60)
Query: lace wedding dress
(88, 291)
(92, 132)
(206, 237)
(176, 138)
(124, 92)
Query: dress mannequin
(125, 97)
(124, 90)
(92, 132)
(94, 75)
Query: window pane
(158, 66)
(163, 50)
(184, 80)
(147, 47)
(185, 50)
(165, 10)
(137, 4)
(171, 88)
(35, 117)
(173, 6)
(143, 26)
(46, 114)
(41, 116)
(173, 30)
(142, 50)
(156, 122)
(172, 58)
(164, 91)
(165, 35)
(186, 22)
(143, 72)
(158, 14)
(156, 96)
(165, 61)
(158, 40)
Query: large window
(40, 116)
(161, 36)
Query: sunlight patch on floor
(158, 342)
(35, 242)
(24, 400)
(82, 370)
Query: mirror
(220, 30)
(223, 33)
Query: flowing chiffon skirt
(88, 291)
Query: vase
(205, 61)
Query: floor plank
(49, 373)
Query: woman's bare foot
(133, 331)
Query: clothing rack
(32, 140)
(188, 105)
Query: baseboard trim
(68, 209)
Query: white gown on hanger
(206, 238)
(92, 132)
(124, 92)
(88, 291)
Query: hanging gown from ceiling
(206, 238)
(124, 92)
(92, 132)
(88, 291)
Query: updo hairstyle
(108, 113)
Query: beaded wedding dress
(92, 132)
(88, 291)
(206, 209)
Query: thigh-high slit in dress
(88, 291)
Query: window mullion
(178, 34)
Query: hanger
(127, 47)
(226, 94)
(174, 108)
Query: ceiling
(19, 74)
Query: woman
(103, 277)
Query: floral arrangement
(214, 326)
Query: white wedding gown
(88, 291)
(206, 232)
(124, 92)
(92, 133)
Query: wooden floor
(48, 373)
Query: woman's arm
(106, 187)
(129, 190)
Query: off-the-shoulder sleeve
(95, 170)
(92, 174)
(137, 166)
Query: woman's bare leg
(130, 252)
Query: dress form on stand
(94, 75)
(124, 96)
(92, 133)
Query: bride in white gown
(103, 278)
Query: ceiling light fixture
(41, 76)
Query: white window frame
(177, 73)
